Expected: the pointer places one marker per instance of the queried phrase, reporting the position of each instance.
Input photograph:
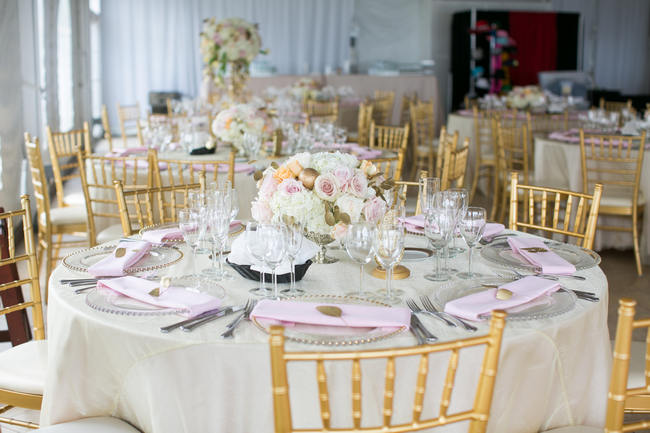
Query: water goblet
(256, 247)
(472, 226)
(462, 200)
(293, 233)
(389, 249)
(360, 245)
(274, 240)
(428, 187)
(189, 224)
(438, 225)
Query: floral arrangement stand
(324, 191)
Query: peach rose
(283, 173)
(295, 167)
(368, 168)
(339, 230)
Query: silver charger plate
(543, 307)
(158, 257)
(413, 254)
(333, 335)
(109, 301)
(500, 254)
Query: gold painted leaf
(257, 175)
(120, 252)
(330, 310)
(504, 294)
(155, 292)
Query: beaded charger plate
(544, 307)
(158, 257)
(234, 230)
(500, 254)
(332, 335)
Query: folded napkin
(126, 254)
(128, 151)
(353, 316)
(492, 229)
(525, 290)
(240, 255)
(160, 236)
(179, 298)
(414, 224)
(548, 261)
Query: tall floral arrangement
(233, 43)
(231, 124)
(304, 88)
(326, 191)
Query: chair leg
(474, 181)
(495, 200)
(635, 235)
(49, 257)
(504, 203)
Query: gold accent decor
(120, 252)
(503, 294)
(400, 272)
(329, 310)
(322, 241)
(155, 292)
(477, 416)
(63, 147)
(536, 250)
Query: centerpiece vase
(321, 240)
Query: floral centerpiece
(234, 122)
(304, 88)
(325, 191)
(233, 43)
(525, 97)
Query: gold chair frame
(9, 398)
(388, 137)
(382, 104)
(63, 148)
(485, 143)
(318, 111)
(478, 415)
(363, 123)
(454, 166)
(391, 167)
(170, 172)
(445, 141)
(127, 113)
(512, 155)
(108, 136)
(579, 219)
(608, 160)
(422, 125)
(402, 188)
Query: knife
(189, 327)
(168, 328)
(428, 336)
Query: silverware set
(431, 310)
(496, 238)
(188, 325)
(245, 315)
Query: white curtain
(154, 44)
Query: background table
(552, 372)
(557, 165)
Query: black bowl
(203, 151)
(246, 272)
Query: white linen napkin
(240, 255)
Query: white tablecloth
(552, 372)
(557, 165)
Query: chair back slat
(477, 416)
(39, 181)
(323, 394)
(182, 171)
(63, 147)
(128, 115)
(24, 217)
(390, 167)
(382, 103)
(325, 112)
(402, 188)
(108, 136)
(388, 137)
(454, 165)
(422, 124)
(363, 123)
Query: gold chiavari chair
(616, 161)
(382, 107)
(327, 112)
(363, 124)
(446, 141)
(555, 211)
(182, 171)
(128, 116)
(477, 416)
(108, 136)
(391, 167)
(70, 220)
(388, 137)
(405, 107)
(22, 368)
(485, 143)
(149, 206)
(470, 103)
(63, 148)
(402, 189)
(616, 106)
(627, 393)
(454, 166)
(512, 155)
(543, 123)
(97, 178)
(423, 134)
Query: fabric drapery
(536, 37)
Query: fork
(248, 308)
(414, 308)
(428, 336)
(428, 305)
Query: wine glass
(256, 248)
(389, 249)
(462, 195)
(360, 246)
(293, 233)
(438, 226)
(220, 227)
(428, 187)
(188, 223)
(273, 237)
(472, 226)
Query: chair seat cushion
(576, 429)
(110, 233)
(73, 194)
(636, 374)
(99, 424)
(22, 368)
(66, 215)
(613, 197)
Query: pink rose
(261, 211)
(268, 187)
(290, 186)
(339, 231)
(374, 209)
(358, 185)
(343, 174)
(327, 187)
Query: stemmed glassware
(360, 242)
(189, 223)
(439, 224)
(389, 250)
(472, 226)
(428, 187)
(256, 248)
(273, 238)
(293, 233)
(463, 198)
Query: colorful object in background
(502, 48)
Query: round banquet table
(552, 372)
(558, 165)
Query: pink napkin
(548, 261)
(163, 235)
(128, 151)
(527, 289)
(191, 303)
(353, 316)
(414, 224)
(112, 266)
(492, 229)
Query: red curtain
(536, 38)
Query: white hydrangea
(303, 158)
(325, 162)
(303, 206)
(351, 205)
